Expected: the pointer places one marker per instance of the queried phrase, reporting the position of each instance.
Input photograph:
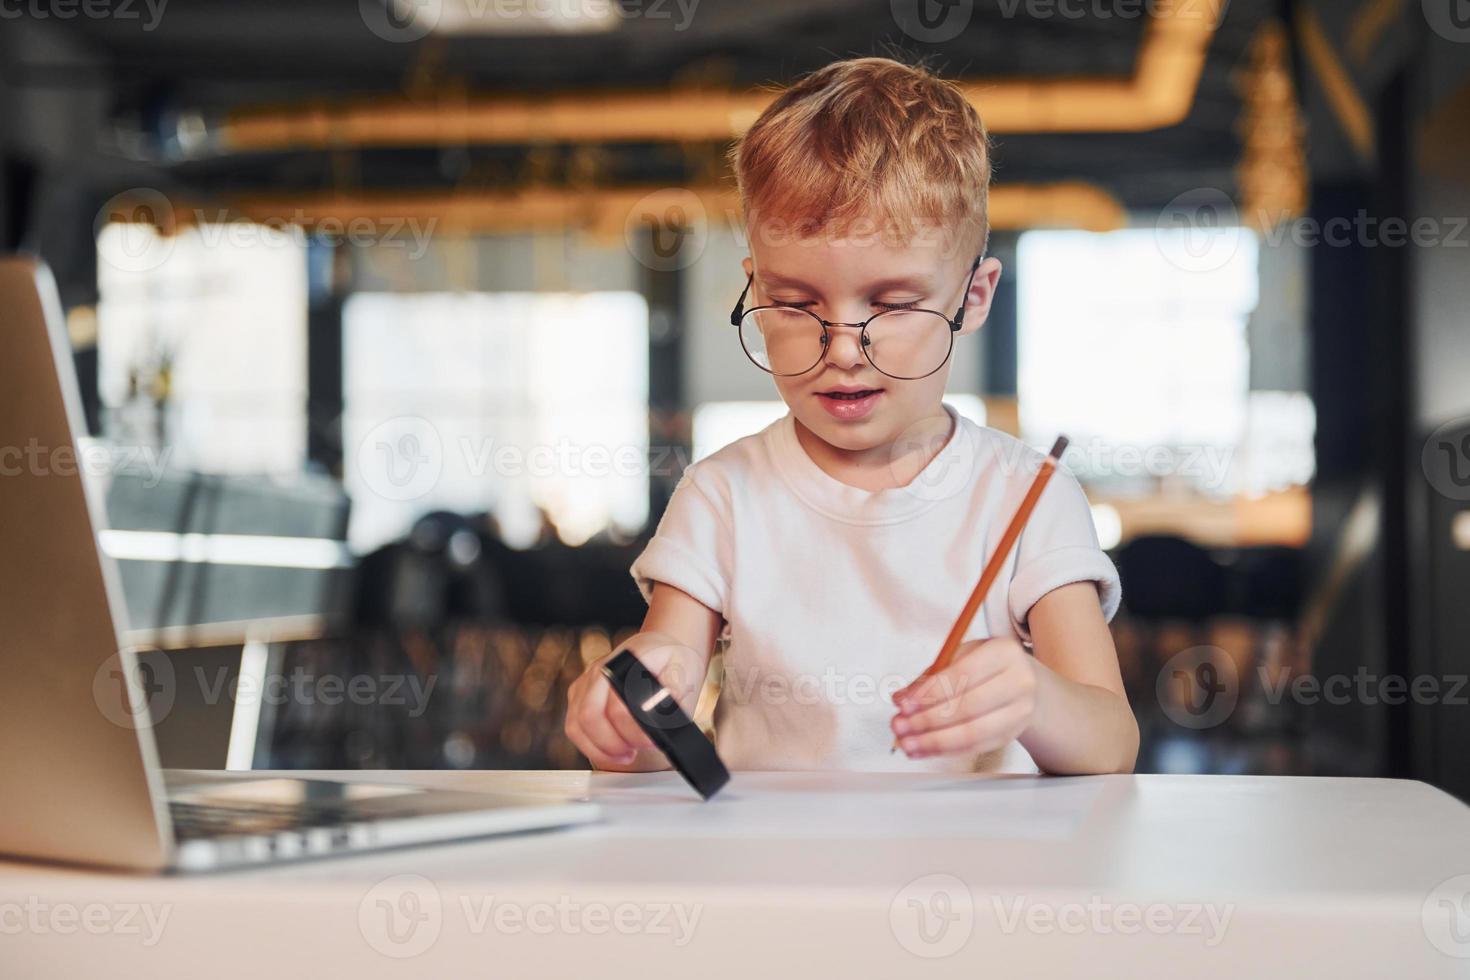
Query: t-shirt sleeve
(690, 549)
(1059, 546)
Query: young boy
(838, 545)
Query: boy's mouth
(849, 403)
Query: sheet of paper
(847, 805)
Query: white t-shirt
(837, 596)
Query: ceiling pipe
(606, 212)
(1160, 93)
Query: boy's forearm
(1080, 729)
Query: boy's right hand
(600, 724)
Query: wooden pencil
(993, 567)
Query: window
(514, 403)
(1143, 361)
(201, 345)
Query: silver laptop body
(79, 774)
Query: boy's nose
(844, 346)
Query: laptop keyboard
(196, 820)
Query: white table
(818, 875)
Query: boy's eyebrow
(776, 279)
(921, 282)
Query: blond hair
(868, 139)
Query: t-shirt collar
(952, 468)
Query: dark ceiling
(212, 55)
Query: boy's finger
(913, 686)
(621, 719)
(926, 690)
(979, 700)
(579, 738)
(977, 735)
(595, 725)
(594, 755)
(953, 680)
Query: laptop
(80, 775)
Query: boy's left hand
(980, 702)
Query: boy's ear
(748, 267)
(981, 295)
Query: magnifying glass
(653, 707)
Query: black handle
(653, 706)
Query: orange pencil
(993, 567)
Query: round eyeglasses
(904, 344)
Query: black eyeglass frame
(956, 323)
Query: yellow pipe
(608, 211)
(1342, 95)
(1160, 93)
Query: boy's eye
(806, 304)
(879, 305)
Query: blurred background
(398, 320)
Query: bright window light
(503, 17)
(1109, 525)
(717, 424)
(201, 343)
(1278, 451)
(519, 404)
(1140, 358)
